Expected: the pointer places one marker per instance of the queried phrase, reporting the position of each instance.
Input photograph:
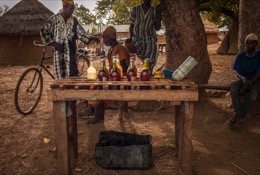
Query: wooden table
(183, 93)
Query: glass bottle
(132, 57)
(131, 73)
(105, 67)
(118, 65)
(102, 74)
(114, 75)
(157, 75)
(91, 71)
(145, 74)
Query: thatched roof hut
(19, 27)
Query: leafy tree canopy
(84, 15)
(116, 11)
(221, 12)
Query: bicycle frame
(44, 57)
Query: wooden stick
(240, 168)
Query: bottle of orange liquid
(118, 65)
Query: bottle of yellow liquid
(91, 71)
(118, 65)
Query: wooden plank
(85, 80)
(124, 95)
(72, 84)
(215, 86)
(61, 136)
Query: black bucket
(124, 150)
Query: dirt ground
(218, 150)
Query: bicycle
(29, 87)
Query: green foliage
(116, 11)
(3, 9)
(220, 12)
(93, 30)
(84, 15)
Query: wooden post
(180, 123)
(73, 133)
(62, 139)
(186, 149)
(177, 128)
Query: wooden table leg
(177, 128)
(62, 138)
(185, 152)
(73, 130)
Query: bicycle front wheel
(28, 91)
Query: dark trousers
(242, 107)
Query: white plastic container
(91, 71)
(184, 68)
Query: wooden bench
(161, 47)
(225, 87)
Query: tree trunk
(185, 36)
(229, 43)
(249, 20)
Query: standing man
(247, 65)
(145, 20)
(61, 32)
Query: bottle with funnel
(184, 68)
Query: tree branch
(223, 10)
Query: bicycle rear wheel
(83, 64)
(28, 91)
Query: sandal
(94, 121)
(232, 121)
(239, 123)
(87, 113)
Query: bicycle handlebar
(37, 43)
(81, 51)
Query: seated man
(96, 108)
(247, 65)
(109, 39)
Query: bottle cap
(157, 74)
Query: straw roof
(26, 18)
(210, 27)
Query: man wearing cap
(61, 32)
(247, 65)
(109, 39)
(96, 108)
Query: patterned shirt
(143, 23)
(65, 63)
(144, 34)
